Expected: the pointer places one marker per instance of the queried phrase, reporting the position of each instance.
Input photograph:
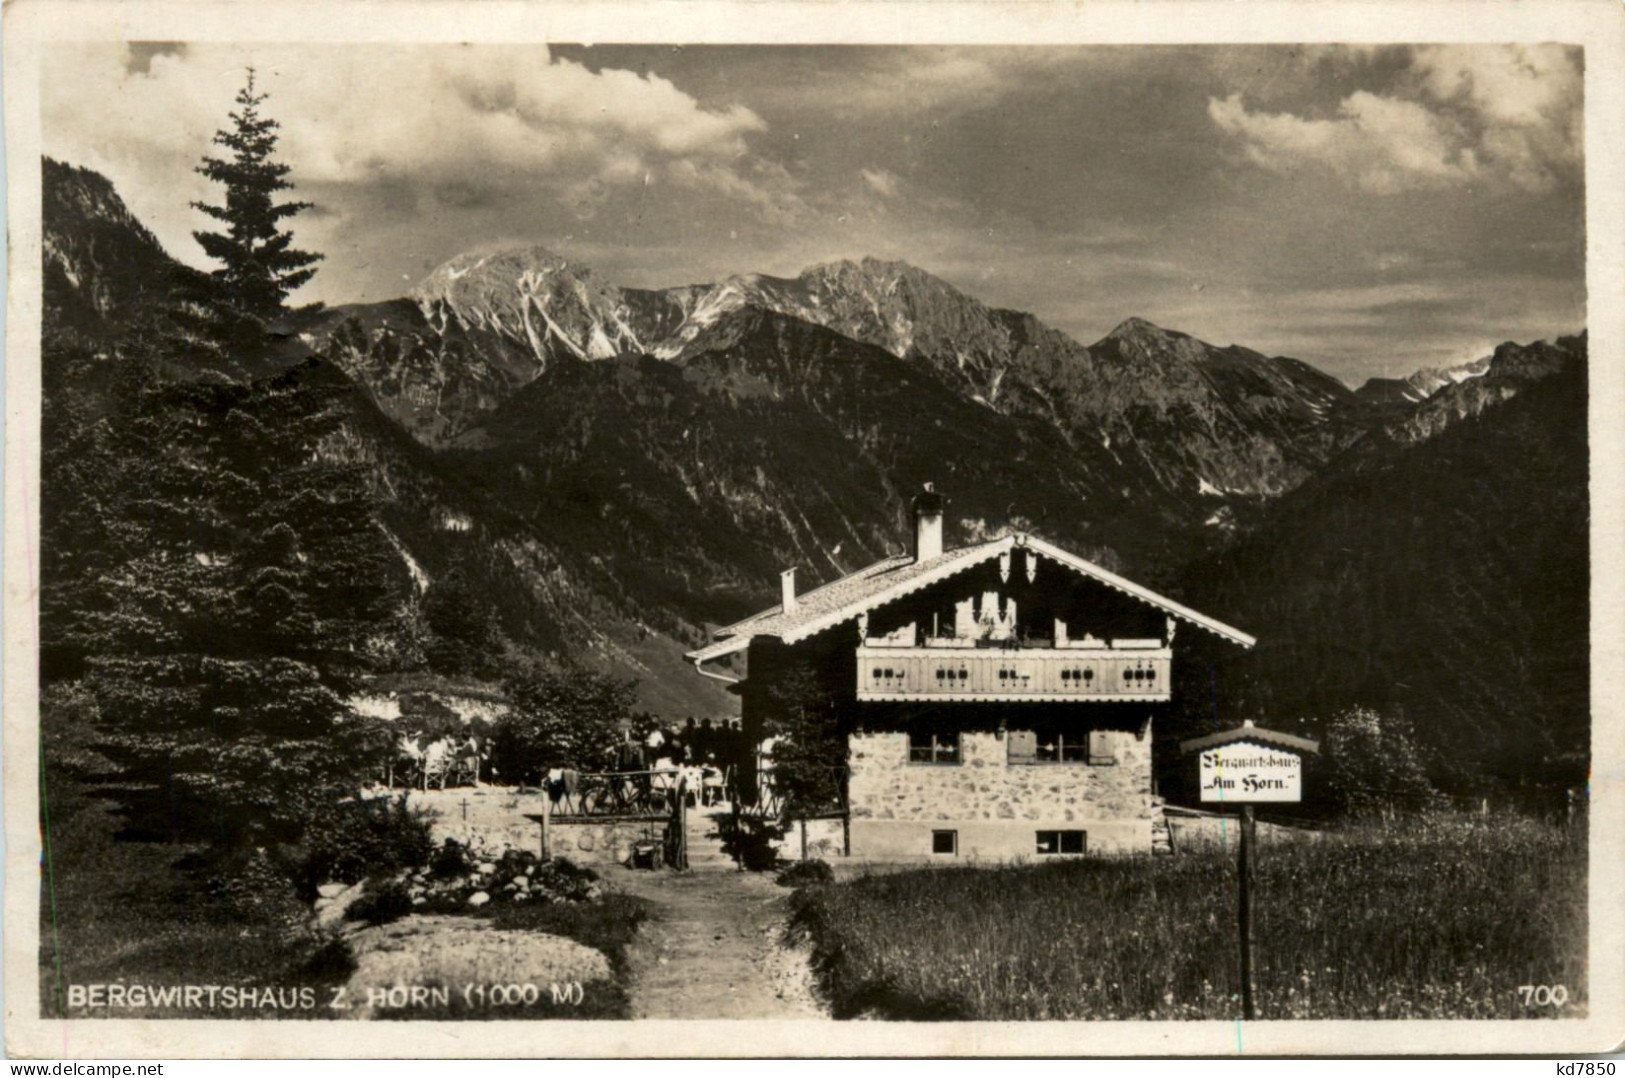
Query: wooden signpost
(1244, 766)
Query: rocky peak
(1142, 341)
(876, 275)
(533, 297)
(100, 262)
(493, 268)
(1135, 326)
(1528, 363)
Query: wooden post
(1222, 776)
(547, 814)
(846, 834)
(680, 822)
(1245, 911)
(803, 839)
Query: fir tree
(234, 606)
(259, 265)
(810, 759)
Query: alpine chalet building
(996, 700)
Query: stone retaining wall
(608, 842)
(497, 818)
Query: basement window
(1054, 842)
(933, 747)
(945, 842)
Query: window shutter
(1023, 746)
(1100, 748)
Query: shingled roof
(894, 577)
(1250, 733)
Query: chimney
(927, 524)
(787, 582)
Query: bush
(381, 903)
(564, 718)
(564, 880)
(450, 861)
(329, 961)
(806, 873)
(1373, 765)
(517, 877)
(608, 925)
(357, 839)
(253, 888)
(751, 843)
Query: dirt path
(710, 948)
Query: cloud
(1528, 98)
(938, 81)
(139, 54)
(454, 125)
(1456, 113)
(1383, 144)
(883, 183)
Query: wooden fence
(577, 797)
(773, 802)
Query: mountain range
(1421, 385)
(1157, 409)
(613, 469)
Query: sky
(1372, 210)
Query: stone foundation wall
(825, 841)
(496, 818)
(601, 843)
(884, 785)
(991, 841)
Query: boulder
(456, 951)
(330, 908)
(478, 898)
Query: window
(1053, 842)
(1064, 748)
(933, 747)
(945, 842)
(1060, 744)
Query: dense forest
(1444, 583)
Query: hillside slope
(1443, 578)
(106, 278)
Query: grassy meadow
(1443, 916)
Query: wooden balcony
(1014, 674)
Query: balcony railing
(1014, 674)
